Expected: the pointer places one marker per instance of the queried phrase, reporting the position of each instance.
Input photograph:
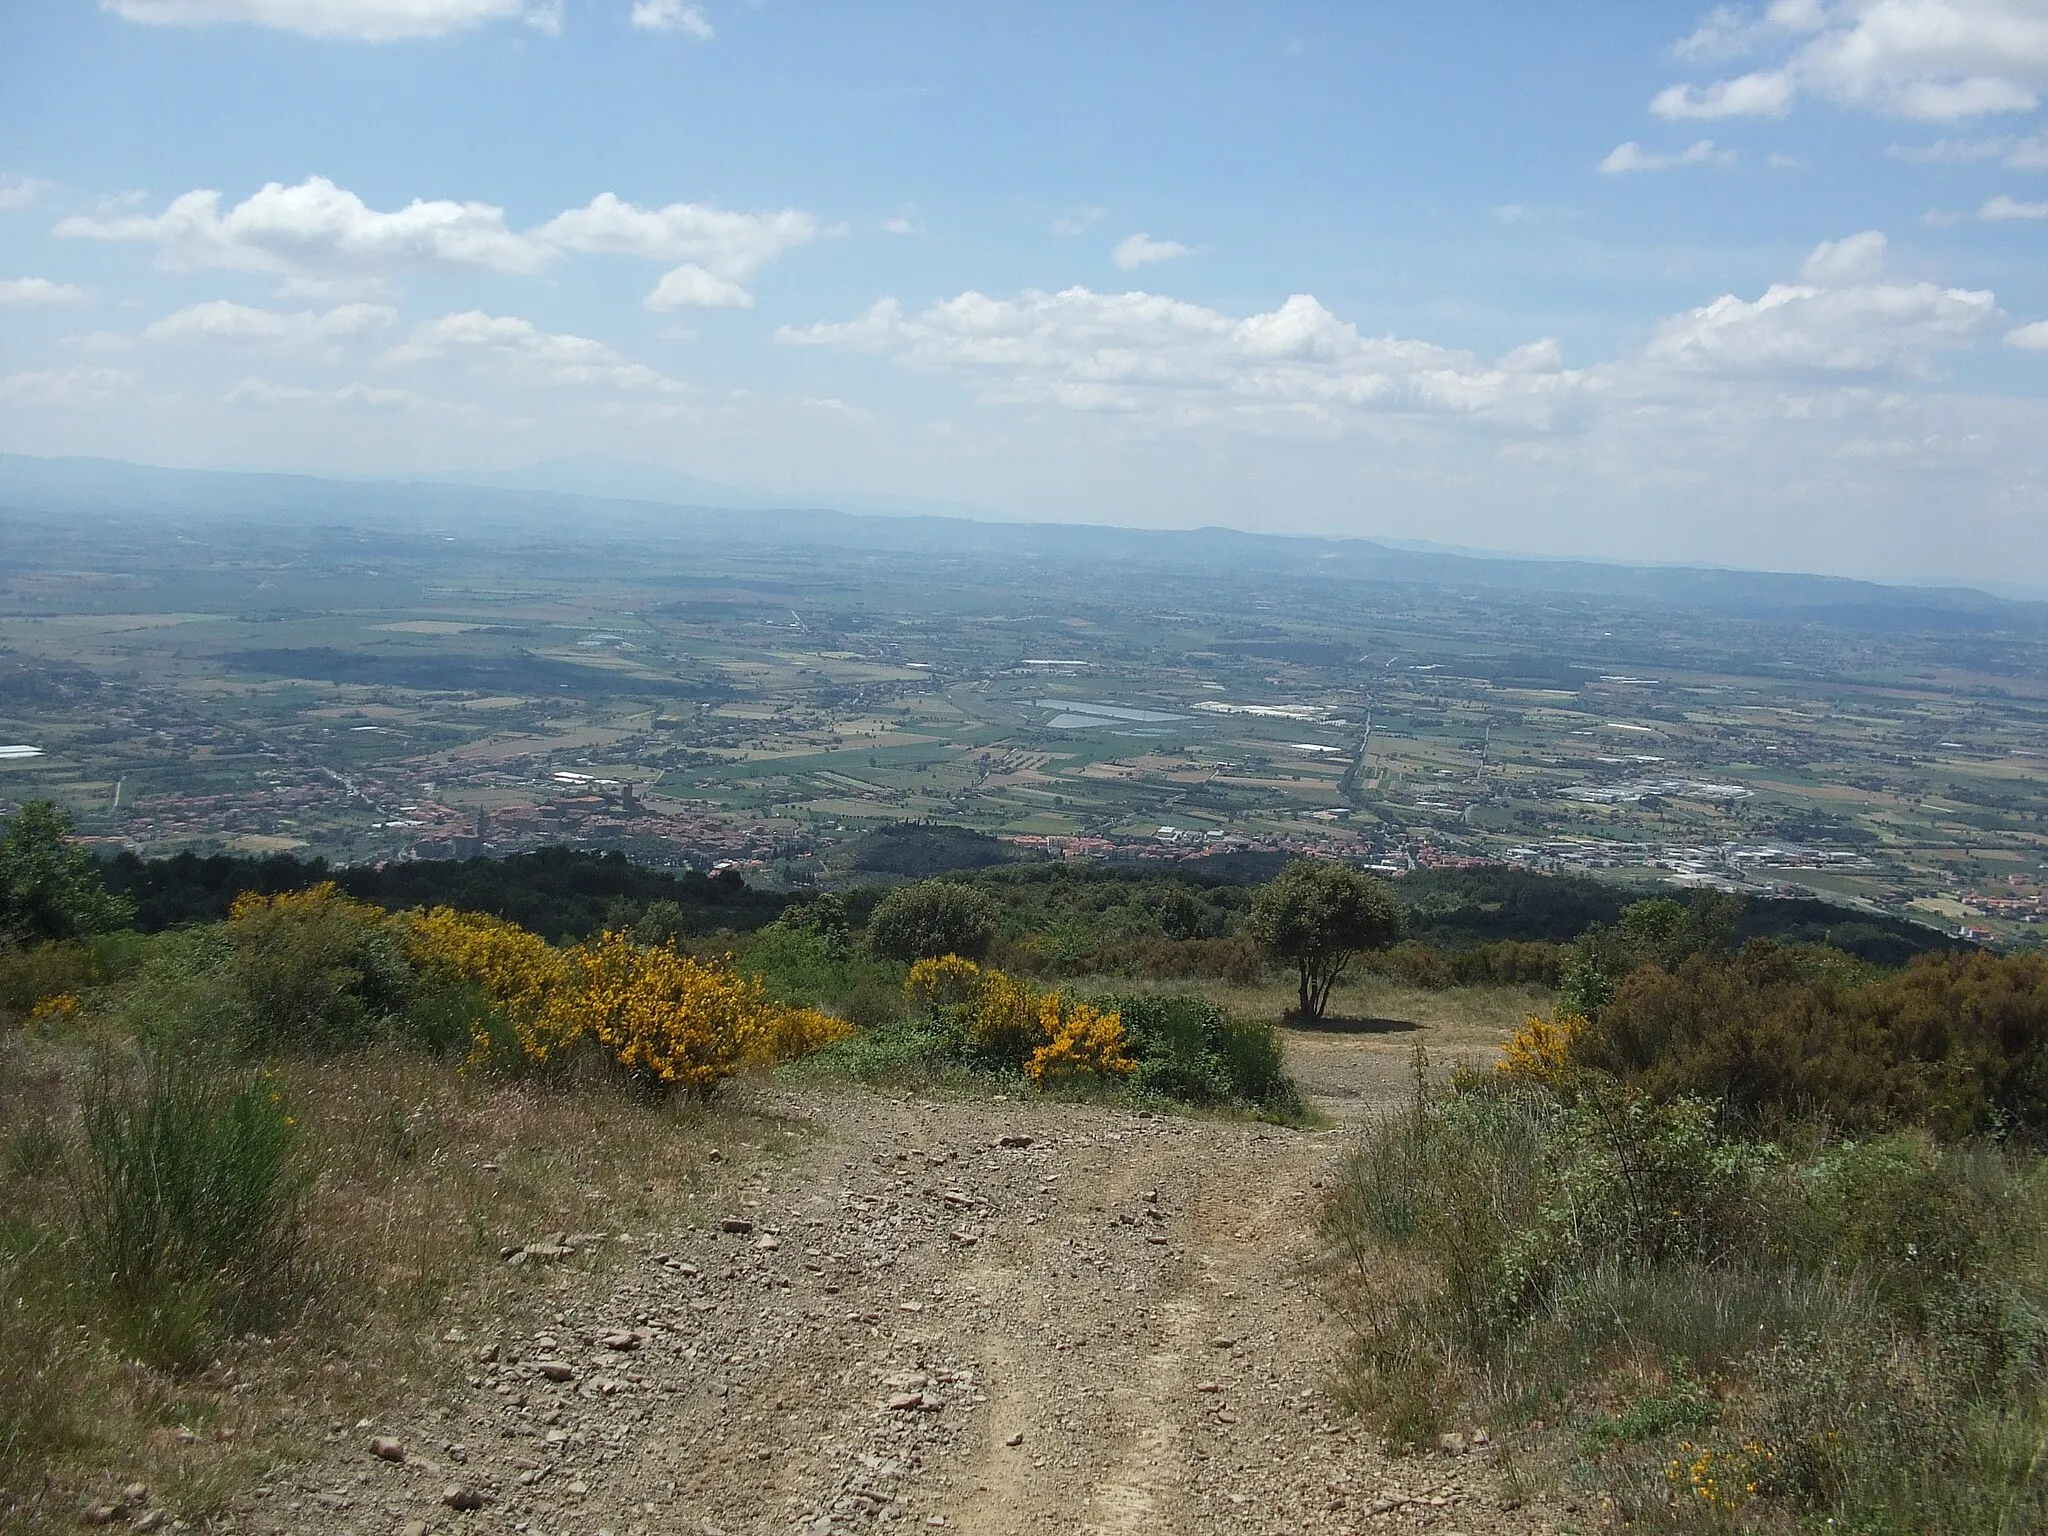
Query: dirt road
(985, 1317)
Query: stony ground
(974, 1316)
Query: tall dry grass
(408, 1179)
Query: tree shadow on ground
(1335, 1024)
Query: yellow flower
(1541, 1049)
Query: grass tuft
(192, 1203)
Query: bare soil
(990, 1317)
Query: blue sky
(1761, 286)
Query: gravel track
(978, 1316)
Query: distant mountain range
(638, 500)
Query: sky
(1759, 286)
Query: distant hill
(112, 488)
(916, 850)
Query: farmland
(408, 672)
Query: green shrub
(1074, 948)
(191, 1205)
(318, 969)
(1956, 1043)
(1852, 1332)
(1505, 963)
(1191, 1050)
(916, 1050)
(809, 965)
(69, 966)
(933, 918)
(187, 993)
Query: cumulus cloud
(1141, 353)
(1633, 157)
(1843, 317)
(40, 290)
(326, 241)
(220, 321)
(1299, 368)
(19, 191)
(1141, 250)
(1856, 258)
(366, 21)
(80, 386)
(1935, 60)
(721, 249)
(549, 357)
(692, 287)
(2034, 338)
(1749, 96)
(671, 16)
(2003, 207)
(317, 223)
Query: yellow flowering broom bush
(673, 1022)
(1004, 1018)
(669, 1021)
(1540, 1051)
(518, 974)
(1081, 1042)
(945, 982)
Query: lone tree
(933, 918)
(1318, 915)
(50, 888)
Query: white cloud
(733, 245)
(1858, 258)
(2017, 154)
(1759, 95)
(2028, 154)
(901, 226)
(2034, 338)
(1841, 317)
(40, 290)
(315, 224)
(1729, 32)
(1935, 60)
(2003, 207)
(80, 386)
(1294, 367)
(1633, 157)
(360, 397)
(549, 357)
(671, 16)
(327, 243)
(691, 287)
(1141, 250)
(220, 321)
(329, 290)
(367, 21)
(1078, 222)
(20, 191)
